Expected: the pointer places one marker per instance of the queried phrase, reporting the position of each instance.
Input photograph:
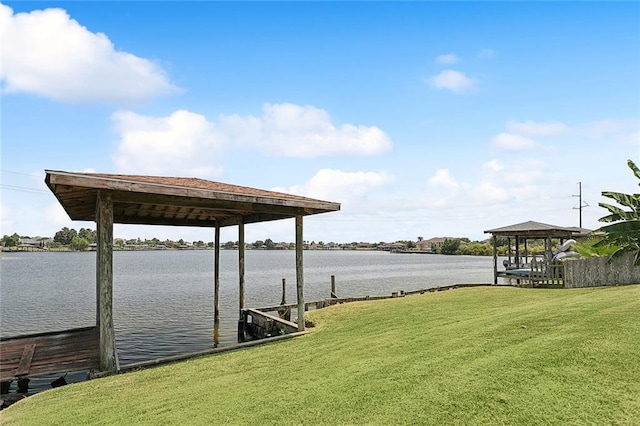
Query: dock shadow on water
(163, 300)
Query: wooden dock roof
(160, 200)
(533, 229)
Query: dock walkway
(22, 357)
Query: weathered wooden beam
(104, 281)
(299, 272)
(149, 220)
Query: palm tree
(624, 232)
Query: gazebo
(518, 259)
(150, 200)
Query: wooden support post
(299, 272)
(334, 295)
(285, 312)
(216, 333)
(23, 385)
(241, 278)
(104, 278)
(284, 292)
(517, 252)
(216, 276)
(494, 239)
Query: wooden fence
(598, 271)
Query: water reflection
(163, 301)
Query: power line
(16, 173)
(23, 189)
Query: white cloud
(532, 128)
(46, 52)
(455, 81)
(448, 58)
(188, 143)
(6, 221)
(487, 192)
(513, 142)
(183, 143)
(521, 182)
(486, 53)
(607, 127)
(57, 217)
(339, 186)
(302, 131)
(443, 188)
(443, 178)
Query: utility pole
(580, 203)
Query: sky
(423, 119)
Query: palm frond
(627, 200)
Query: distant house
(281, 246)
(432, 244)
(37, 242)
(363, 245)
(391, 246)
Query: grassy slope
(467, 356)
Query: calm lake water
(163, 300)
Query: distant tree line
(80, 240)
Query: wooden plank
(69, 350)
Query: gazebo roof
(533, 229)
(160, 200)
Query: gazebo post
(494, 240)
(241, 277)
(299, 272)
(104, 281)
(216, 275)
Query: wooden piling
(285, 312)
(104, 281)
(299, 272)
(334, 295)
(284, 292)
(494, 240)
(216, 276)
(23, 386)
(241, 278)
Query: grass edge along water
(470, 356)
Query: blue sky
(422, 118)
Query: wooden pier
(23, 357)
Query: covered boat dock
(523, 265)
(149, 200)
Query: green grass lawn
(468, 356)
